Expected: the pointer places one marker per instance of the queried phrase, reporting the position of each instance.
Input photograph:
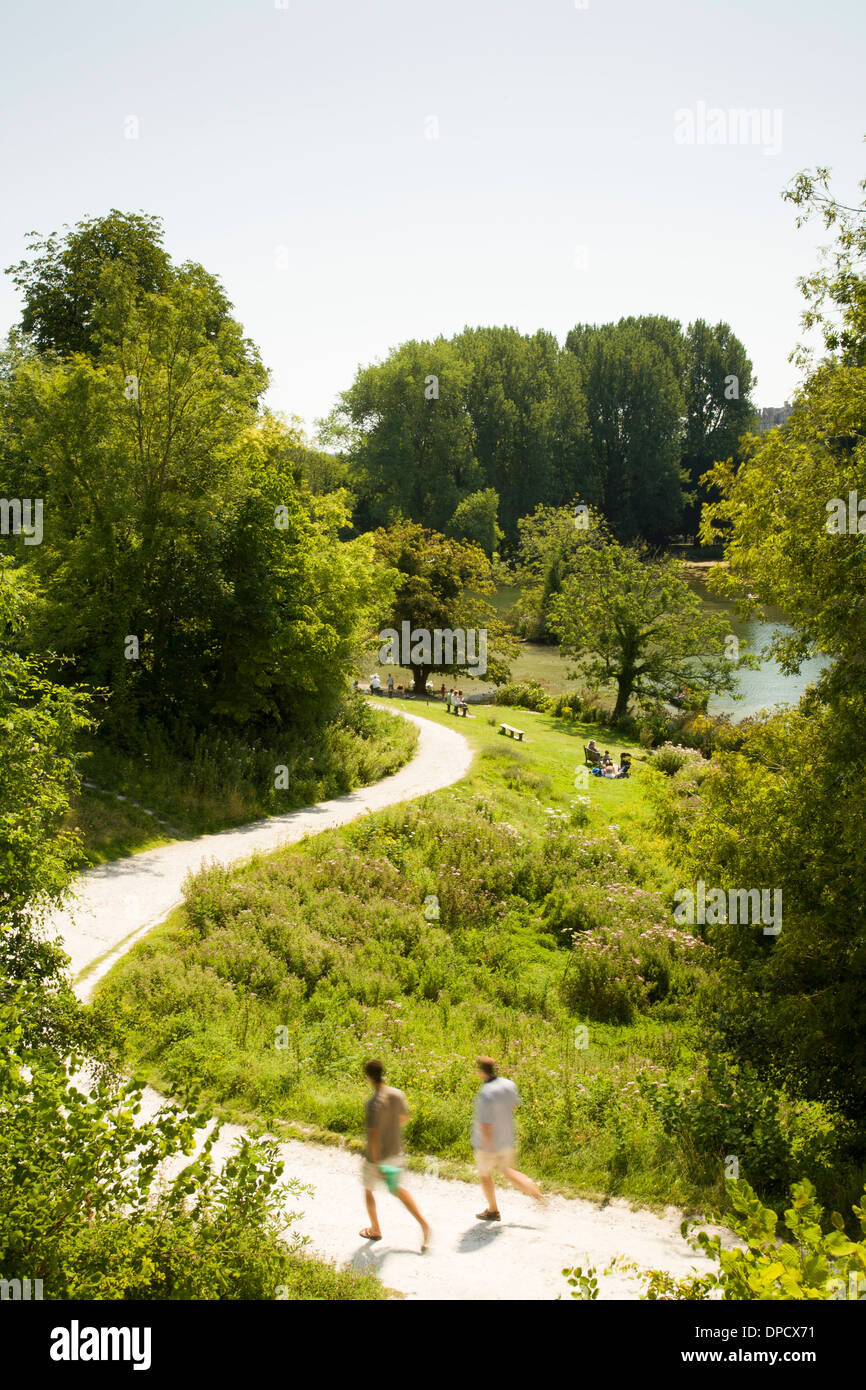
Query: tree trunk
(419, 675)
(625, 681)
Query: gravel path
(521, 1257)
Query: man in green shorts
(385, 1114)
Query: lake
(767, 685)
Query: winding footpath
(520, 1258)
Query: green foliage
(634, 406)
(87, 1207)
(792, 1005)
(729, 1111)
(175, 516)
(672, 756)
(636, 622)
(441, 583)
(438, 423)
(198, 783)
(40, 723)
(524, 695)
(474, 520)
(62, 281)
(813, 1264)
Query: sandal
(487, 1216)
(368, 1234)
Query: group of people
(494, 1140)
(454, 702)
(603, 765)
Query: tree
(787, 809)
(40, 723)
(529, 420)
(640, 625)
(549, 539)
(412, 447)
(68, 282)
(784, 813)
(440, 588)
(61, 282)
(184, 566)
(635, 407)
(717, 382)
(475, 520)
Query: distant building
(773, 415)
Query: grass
(510, 914)
(155, 796)
(275, 981)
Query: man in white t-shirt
(494, 1137)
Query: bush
(672, 756)
(90, 1211)
(729, 1111)
(525, 695)
(813, 1265)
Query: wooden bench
(511, 731)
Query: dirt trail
(521, 1257)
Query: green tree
(411, 437)
(786, 810)
(475, 520)
(40, 722)
(529, 420)
(549, 539)
(67, 280)
(635, 408)
(441, 584)
(636, 622)
(717, 383)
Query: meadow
(510, 914)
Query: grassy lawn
(425, 935)
(222, 783)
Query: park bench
(511, 731)
(591, 756)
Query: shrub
(671, 757)
(814, 1264)
(525, 695)
(730, 1111)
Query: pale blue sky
(306, 128)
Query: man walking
(494, 1137)
(385, 1114)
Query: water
(767, 685)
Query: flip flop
(367, 1234)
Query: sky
(361, 172)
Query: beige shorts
(488, 1162)
(370, 1174)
